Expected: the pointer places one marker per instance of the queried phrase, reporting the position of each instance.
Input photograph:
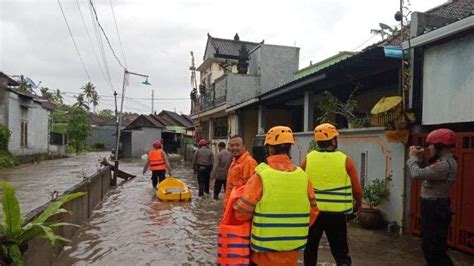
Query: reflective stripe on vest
(156, 160)
(281, 218)
(332, 185)
(233, 242)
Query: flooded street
(34, 182)
(133, 228)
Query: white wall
(382, 159)
(38, 119)
(142, 140)
(448, 77)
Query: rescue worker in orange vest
(242, 166)
(336, 186)
(158, 163)
(280, 201)
(435, 203)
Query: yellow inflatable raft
(173, 189)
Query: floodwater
(133, 228)
(35, 182)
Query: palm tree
(81, 103)
(94, 100)
(90, 94)
(58, 98)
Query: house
(442, 95)
(28, 118)
(105, 132)
(168, 127)
(235, 71)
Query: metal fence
(57, 139)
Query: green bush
(16, 235)
(375, 193)
(5, 134)
(99, 146)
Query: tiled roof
(228, 47)
(457, 9)
(177, 120)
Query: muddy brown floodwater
(133, 228)
(34, 182)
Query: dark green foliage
(375, 193)
(78, 128)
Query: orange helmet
(279, 135)
(325, 132)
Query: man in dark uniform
(438, 179)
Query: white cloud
(158, 35)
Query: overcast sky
(158, 35)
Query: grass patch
(7, 159)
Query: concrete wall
(38, 122)
(249, 127)
(278, 65)
(240, 88)
(3, 105)
(40, 252)
(142, 140)
(381, 159)
(104, 134)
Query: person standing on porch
(202, 165)
(438, 179)
(242, 167)
(220, 169)
(336, 187)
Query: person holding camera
(438, 177)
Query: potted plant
(374, 195)
(15, 235)
(332, 105)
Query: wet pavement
(34, 182)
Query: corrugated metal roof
(322, 64)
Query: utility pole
(119, 115)
(152, 101)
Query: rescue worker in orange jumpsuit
(242, 166)
(158, 164)
(438, 179)
(279, 198)
(338, 193)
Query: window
(363, 168)
(220, 127)
(24, 134)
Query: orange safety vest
(233, 243)
(156, 160)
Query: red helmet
(443, 135)
(202, 142)
(157, 144)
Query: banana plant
(14, 234)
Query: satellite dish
(385, 27)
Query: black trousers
(435, 221)
(335, 227)
(218, 184)
(155, 175)
(203, 176)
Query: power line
(75, 45)
(90, 41)
(105, 35)
(98, 38)
(371, 37)
(118, 33)
(134, 98)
